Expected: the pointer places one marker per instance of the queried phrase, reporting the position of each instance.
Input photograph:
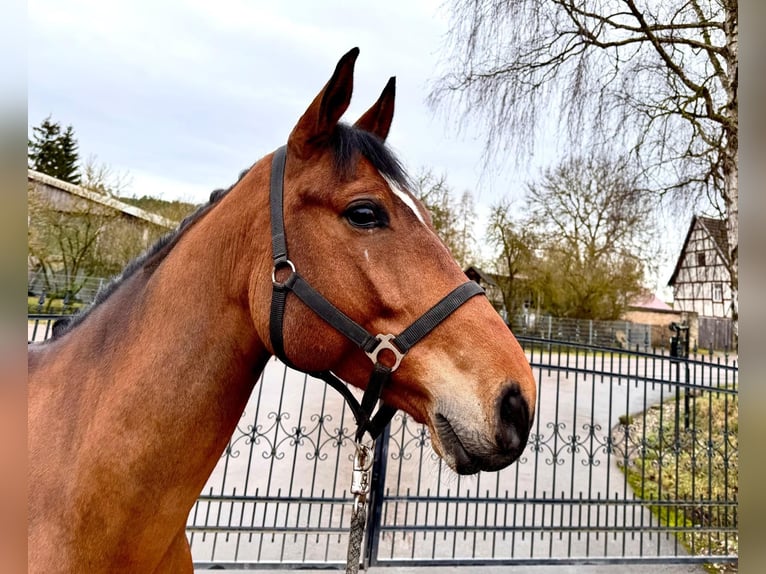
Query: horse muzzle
(468, 448)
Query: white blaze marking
(405, 197)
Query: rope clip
(360, 477)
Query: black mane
(348, 143)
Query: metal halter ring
(277, 265)
(385, 343)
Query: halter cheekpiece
(372, 345)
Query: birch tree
(658, 77)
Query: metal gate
(280, 495)
(633, 457)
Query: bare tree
(73, 239)
(515, 242)
(452, 218)
(592, 222)
(101, 178)
(659, 77)
(63, 244)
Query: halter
(372, 345)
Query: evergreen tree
(54, 153)
(69, 157)
(41, 150)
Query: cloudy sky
(181, 95)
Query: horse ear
(318, 122)
(377, 119)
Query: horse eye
(365, 215)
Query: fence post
(687, 391)
(377, 492)
(41, 301)
(679, 348)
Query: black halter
(372, 345)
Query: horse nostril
(513, 419)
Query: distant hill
(175, 210)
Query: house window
(718, 292)
(701, 259)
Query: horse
(133, 400)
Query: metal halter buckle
(277, 265)
(385, 343)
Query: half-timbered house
(701, 280)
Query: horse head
(360, 238)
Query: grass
(698, 465)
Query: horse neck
(194, 314)
(164, 367)
(195, 309)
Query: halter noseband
(372, 345)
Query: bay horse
(132, 402)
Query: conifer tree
(54, 153)
(70, 157)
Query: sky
(179, 96)
(184, 95)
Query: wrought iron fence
(619, 334)
(40, 326)
(57, 284)
(605, 477)
(633, 457)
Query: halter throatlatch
(372, 345)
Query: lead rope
(360, 488)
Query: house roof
(486, 277)
(105, 200)
(650, 302)
(716, 230)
